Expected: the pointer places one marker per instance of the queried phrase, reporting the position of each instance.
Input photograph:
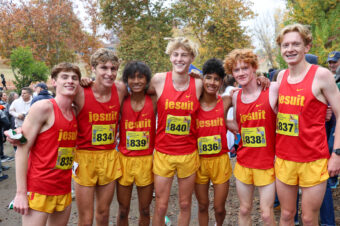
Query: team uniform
(50, 163)
(255, 154)
(212, 146)
(301, 141)
(176, 143)
(137, 140)
(96, 160)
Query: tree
(214, 24)
(25, 69)
(323, 18)
(49, 27)
(141, 27)
(265, 31)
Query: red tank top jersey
(176, 132)
(309, 141)
(98, 122)
(137, 129)
(212, 128)
(43, 176)
(256, 122)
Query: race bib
(287, 124)
(137, 140)
(209, 145)
(103, 134)
(253, 137)
(65, 158)
(178, 125)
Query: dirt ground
(10, 218)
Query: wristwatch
(337, 151)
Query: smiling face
(67, 83)
(106, 73)
(243, 72)
(137, 82)
(181, 60)
(212, 83)
(333, 65)
(293, 48)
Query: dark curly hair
(134, 67)
(212, 66)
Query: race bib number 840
(178, 125)
(103, 134)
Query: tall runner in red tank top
(215, 165)
(96, 161)
(176, 119)
(256, 121)
(137, 140)
(51, 157)
(175, 147)
(254, 111)
(301, 144)
(43, 164)
(98, 122)
(299, 138)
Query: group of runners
(285, 120)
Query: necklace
(181, 88)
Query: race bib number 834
(103, 134)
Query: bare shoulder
(323, 73)
(40, 112)
(41, 107)
(158, 77)
(274, 87)
(234, 97)
(120, 84)
(226, 99)
(280, 76)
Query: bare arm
(232, 124)
(36, 121)
(273, 95)
(122, 90)
(156, 85)
(329, 89)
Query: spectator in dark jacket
(41, 89)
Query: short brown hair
(245, 55)
(66, 67)
(103, 55)
(303, 30)
(183, 42)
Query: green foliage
(25, 69)
(141, 27)
(215, 24)
(323, 18)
